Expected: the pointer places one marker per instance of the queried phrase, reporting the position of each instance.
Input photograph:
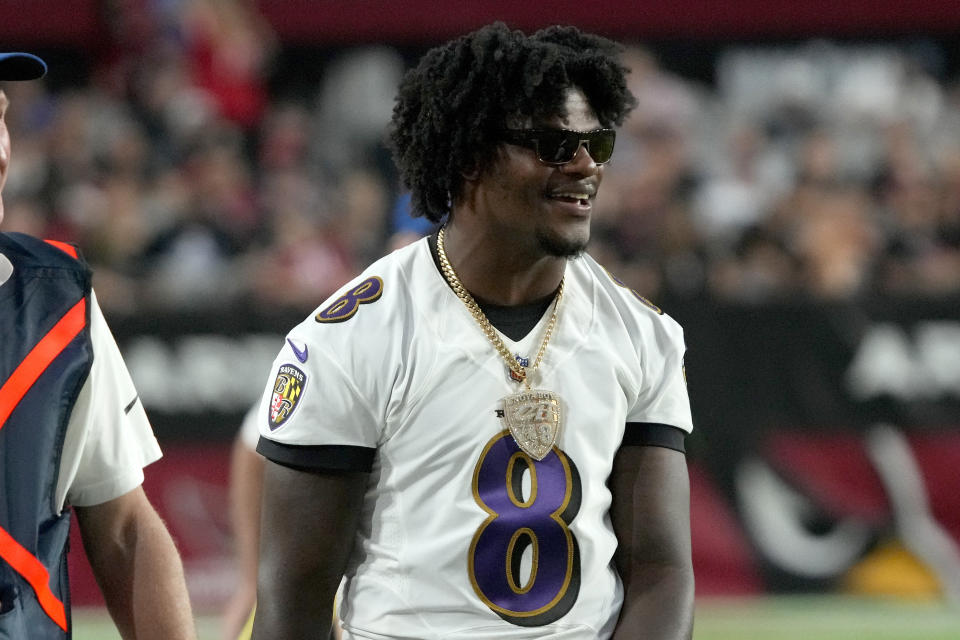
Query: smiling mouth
(582, 199)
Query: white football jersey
(463, 535)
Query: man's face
(4, 147)
(541, 209)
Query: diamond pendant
(534, 417)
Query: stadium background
(788, 189)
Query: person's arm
(651, 518)
(308, 524)
(246, 484)
(137, 568)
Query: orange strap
(63, 246)
(40, 358)
(35, 574)
(12, 391)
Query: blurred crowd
(817, 170)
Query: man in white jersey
(483, 432)
(246, 482)
(73, 433)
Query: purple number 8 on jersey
(540, 520)
(344, 307)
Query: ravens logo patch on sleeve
(287, 391)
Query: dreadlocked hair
(450, 107)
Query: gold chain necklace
(485, 325)
(534, 416)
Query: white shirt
(410, 374)
(249, 432)
(109, 439)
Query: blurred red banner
(80, 22)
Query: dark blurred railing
(749, 367)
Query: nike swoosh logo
(301, 354)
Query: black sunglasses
(559, 146)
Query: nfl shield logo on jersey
(287, 389)
(524, 362)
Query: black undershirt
(515, 322)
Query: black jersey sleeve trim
(318, 457)
(653, 434)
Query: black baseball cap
(21, 66)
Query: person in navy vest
(73, 434)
